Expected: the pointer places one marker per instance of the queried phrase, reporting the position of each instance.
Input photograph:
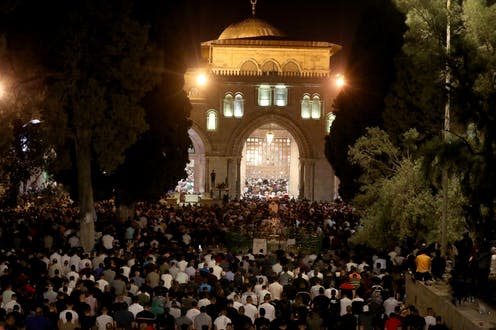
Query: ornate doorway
(270, 163)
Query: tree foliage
(427, 73)
(100, 71)
(397, 203)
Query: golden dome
(250, 28)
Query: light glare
(340, 82)
(201, 79)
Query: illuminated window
(329, 121)
(211, 120)
(316, 107)
(281, 96)
(228, 105)
(305, 106)
(238, 105)
(264, 95)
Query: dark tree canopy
(369, 73)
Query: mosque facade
(261, 108)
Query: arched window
(264, 95)
(329, 120)
(305, 106)
(211, 120)
(228, 105)
(281, 95)
(238, 105)
(316, 107)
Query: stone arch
(270, 65)
(249, 66)
(198, 159)
(291, 66)
(199, 138)
(243, 131)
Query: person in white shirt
(222, 321)
(182, 278)
(350, 265)
(314, 290)
(135, 307)
(182, 264)
(275, 289)
(73, 273)
(344, 303)
(217, 271)
(362, 265)
(102, 283)
(429, 318)
(56, 256)
(270, 310)
(249, 293)
(193, 311)
(204, 302)
(250, 309)
(262, 293)
(75, 316)
(108, 241)
(167, 279)
(236, 301)
(104, 319)
(74, 261)
(9, 307)
(277, 268)
(390, 304)
(7, 294)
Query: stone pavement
(466, 316)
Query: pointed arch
(270, 65)
(249, 66)
(291, 66)
(242, 132)
(228, 105)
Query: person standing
(423, 266)
(222, 321)
(202, 319)
(103, 319)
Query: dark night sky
(324, 20)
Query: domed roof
(250, 28)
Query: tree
(369, 74)
(99, 64)
(419, 96)
(396, 201)
(157, 161)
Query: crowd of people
(266, 188)
(167, 268)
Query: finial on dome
(253, 4)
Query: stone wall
(438, 296)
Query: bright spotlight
(2, 90)
(340, 82)
(201, 79)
